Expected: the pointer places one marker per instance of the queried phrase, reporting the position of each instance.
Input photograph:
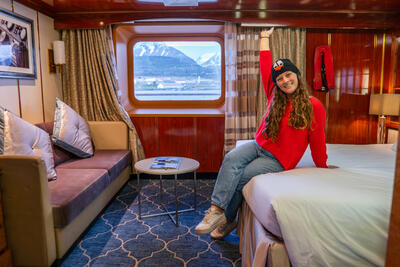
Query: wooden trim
(393, 59)
(282, 18)
(382, 63)
(19, 99)
(175, 103)
(393, 125)
(393, 244)
(40, 67)
(40, 6)
(177, 112)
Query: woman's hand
(266, 34)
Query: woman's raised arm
(266, 63)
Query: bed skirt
(257, 246)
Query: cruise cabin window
(171, 65)
(177, 70)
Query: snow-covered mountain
(158, 49)
(209, 59)
(157, 59)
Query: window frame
(157, 35)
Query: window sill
(177, 112)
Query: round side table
(186, 165)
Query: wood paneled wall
(201, 138)
(358, 64)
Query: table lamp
(384, 105)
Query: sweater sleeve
(265, 68)
(317, 135)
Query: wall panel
(210, 142)
(33, 100)
(51, 82)
(147, 129)
(31, 91)
(201, 138)
(177, 136)
(357, 56)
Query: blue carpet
(119, 238)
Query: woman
(292, 121)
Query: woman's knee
(241, 152)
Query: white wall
(33, 100)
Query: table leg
(195, 191)
(139, 188)
(176, 201)
(161, 189)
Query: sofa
(42, 218)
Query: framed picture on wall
(17, 46)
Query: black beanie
(282, 65)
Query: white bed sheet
(329, 216)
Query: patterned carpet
(119, 238)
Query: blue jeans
(239, 166)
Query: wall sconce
(383, 105)
(56, 56)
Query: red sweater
(292, 143)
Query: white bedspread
(330, 217)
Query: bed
(320, 217)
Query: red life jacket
(324, 76)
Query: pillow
(394, 147)
(71, 131)
(19, 137)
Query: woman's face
(287, 82)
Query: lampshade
(384, 104)
(59, 52)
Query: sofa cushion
(60, 155)
(19, 137)
(114, 161)
(73, 191)
(71, 131)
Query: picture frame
(17, 46)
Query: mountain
(155, 59)
(209, 59)
(158, 60)
(154, 49)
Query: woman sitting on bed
(292, 121)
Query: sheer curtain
(89, 82)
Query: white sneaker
(223, 230)
(211, 220)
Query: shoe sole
(206, 231)
(223, 236)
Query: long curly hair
(301, 116)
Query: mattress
(299, 206)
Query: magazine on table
(166, 163)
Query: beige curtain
(89, 80)
(242, 81)
(284, 43)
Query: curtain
(90, 82)
(284, 43)
(242, 82)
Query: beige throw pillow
(19, 137)
(71, 131)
